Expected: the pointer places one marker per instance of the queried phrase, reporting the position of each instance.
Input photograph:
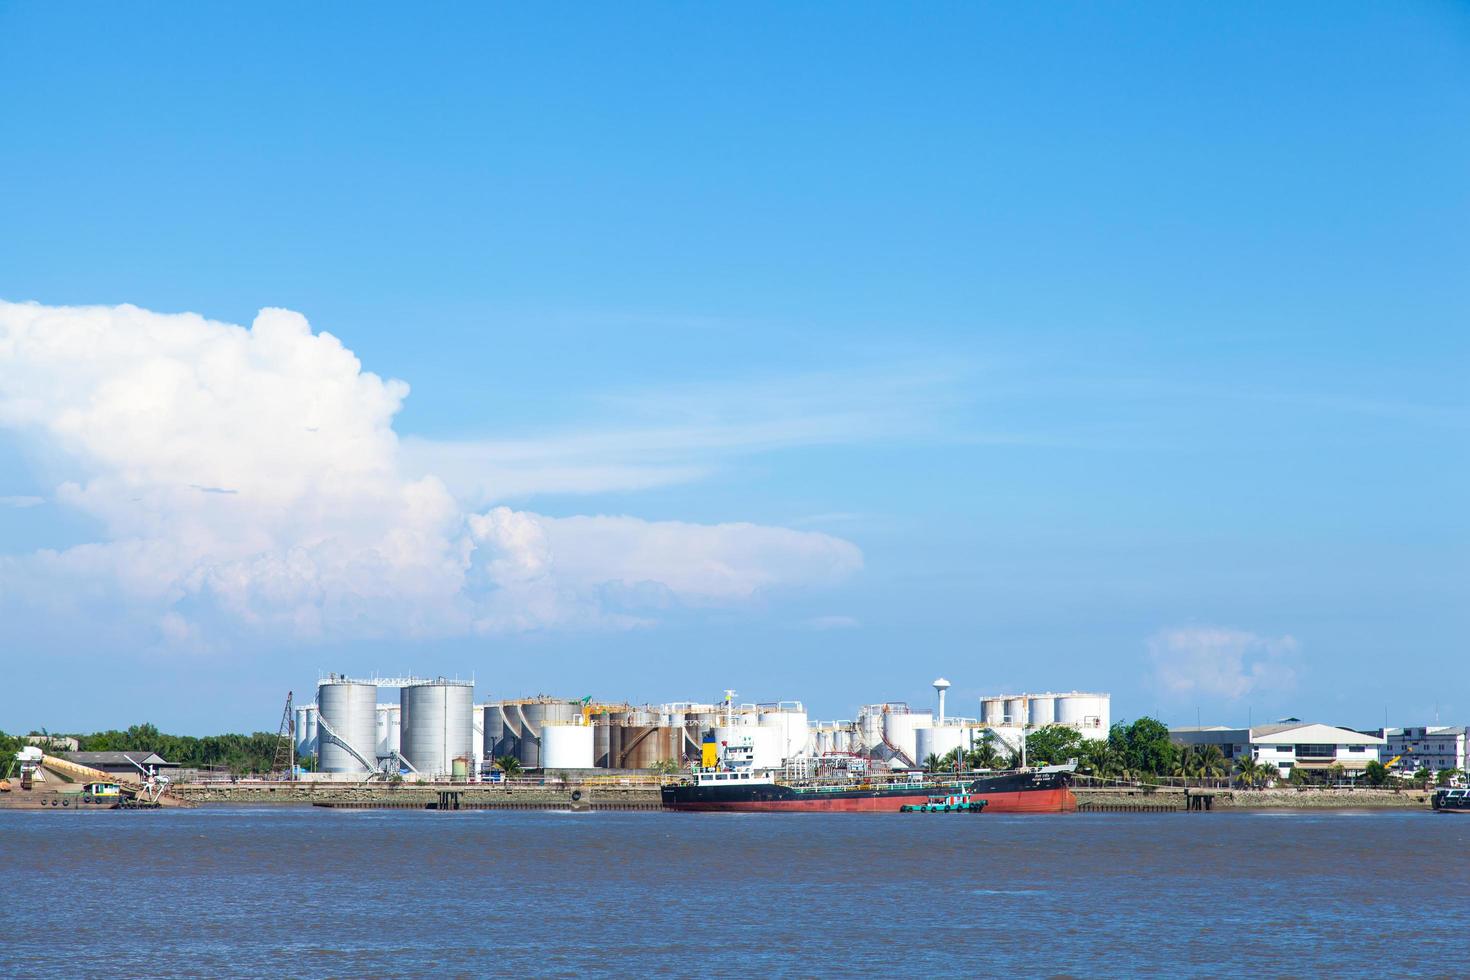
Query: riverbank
(408, 795)
(1171, 798)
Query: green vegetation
(1200, 762)
(508, 764)
(1445, 775)
(238, 753)
(1376, 773)
(664, 767)
(1053, 745)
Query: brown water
(248, 892)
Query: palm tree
(1184, 762)
(508, 764)
(1209, 762)
(1247, 770)
(932, 763)
(985, 755)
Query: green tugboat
(958, 803)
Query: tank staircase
(898, 753)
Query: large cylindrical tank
(899, 728)
(492, 728)
(790, 723)
(532, 715)
(306, 744)
(438, 725)
(389, 728)
(765, 740)
(643, 746)
(1042, 710)
(1016, 713)
(349, 709)
(937, 741)
(992, 711)
(1089, 713)
(566, 746)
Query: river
(267, 891)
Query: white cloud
(1220, 662)
(256, 471)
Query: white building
(1434, 747)
(1289, 744)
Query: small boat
(1448, 800)
(957, 803)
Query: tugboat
(733, 784)
(1447, 800)
(958, 803)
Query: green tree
(1143, 747)
(1444, 776)
(1422, 777)
(1098, 758)
(1053, 745)
(1375, 773)
(508, 764)
(1247, 770)
(932, 763)
(664, 767)
(985, 755)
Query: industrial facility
(437, 731)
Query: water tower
(941, 686)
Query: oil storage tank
(939, 740)
(305, 731)
(530, 716)
(492, 728)
(898, 731)
(347, 725)
(438, 725)
(566, 746)
(1042, 710)
(389, 730)
(1016, 713)
(1088, 713)
(992, 711)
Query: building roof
(118, 758)
(1311, 734)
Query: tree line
(253, 753)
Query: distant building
(124, 763)
(1434, 747)
(53, 743)
(1289, 744)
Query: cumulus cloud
(255, 474)
(1220, 662)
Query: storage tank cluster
(1089, 713)
(431, 729)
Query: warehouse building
(1289, 744)
(1432, 747)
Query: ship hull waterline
(1019, 793)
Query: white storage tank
(389, 730)
(789, 719)
(1088, 713)
(899, 728)
(437, 725)
(347, 732)
(566, 746)
(1016, 713)
(305, 733)
(1043, 709)
(992, 711)
(939, 740)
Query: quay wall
(408, 794)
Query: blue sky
(1041, 347)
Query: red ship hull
(1057, 799)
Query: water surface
(312, 892)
